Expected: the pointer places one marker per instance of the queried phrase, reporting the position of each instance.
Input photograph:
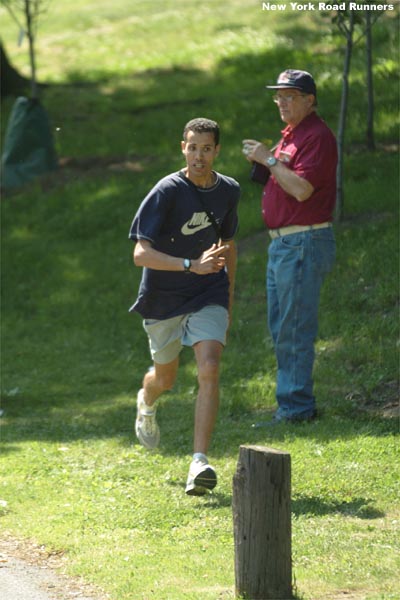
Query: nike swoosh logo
(197, 222)
(188, 229)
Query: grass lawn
(123, 81)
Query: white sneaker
(202, 477)
(146, 428)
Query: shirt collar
(288, 130)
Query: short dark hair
(202, 125)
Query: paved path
(20, 580)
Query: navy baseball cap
(295, 80)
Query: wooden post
(262, 524)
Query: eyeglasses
(289, 98)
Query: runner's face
(200, 151)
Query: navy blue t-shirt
(173, 219)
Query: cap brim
(283, 86)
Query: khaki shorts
(168, 336)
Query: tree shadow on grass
(312, 506)
(360, 508)
(68, 417)
(302, 505)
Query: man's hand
(293, 184)
(211, 261)
(255, 151)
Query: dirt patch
(71, 168)
(116, 164)
(388, 148)
(345, 595)
(383, 401)
(31, 564)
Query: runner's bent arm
(211, 261)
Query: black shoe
(277, 420)
(305, 419)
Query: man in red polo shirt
(297, 207)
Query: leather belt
(290, 229)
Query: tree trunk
(31, 38)
(342, 119)
(370, 84)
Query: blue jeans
(297, 266)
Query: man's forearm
(146, 256)
(293, 184)
(290, 182)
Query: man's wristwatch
(271, 161)
(187, 263)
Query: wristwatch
(271, 161)
(187, 263)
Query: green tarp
(28, 149)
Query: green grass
(123, 83)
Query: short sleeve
(151, 215)
(229, 225)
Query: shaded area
(56, 253)
(28, 150)
(362, 508)
(12, 83)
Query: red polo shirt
(310, 151)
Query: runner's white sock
(201, 457)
